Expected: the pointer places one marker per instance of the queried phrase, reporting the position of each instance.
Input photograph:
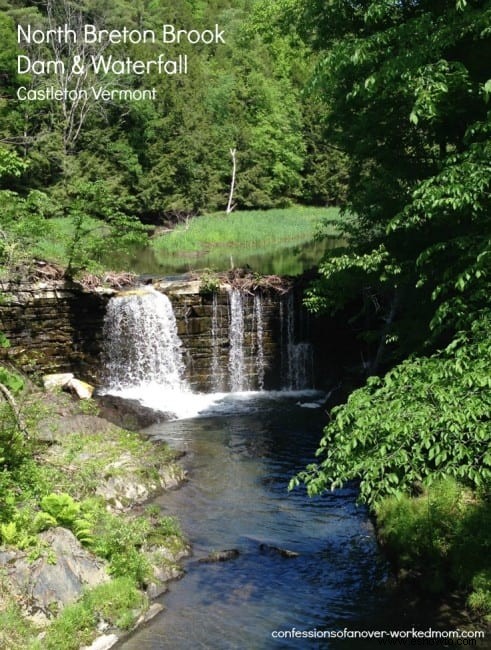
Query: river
(240, 459)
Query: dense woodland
(380, 107)
(171, 156)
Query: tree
(407, 89)
(99, 227)
(411, 114)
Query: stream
(240, 458)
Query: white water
(297, 359)
(257, 319)
(141, 344)
(144, 357)
(216, 370)
(236, 358)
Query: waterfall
(216, 369)
(297, 361)
(236, 359)
(259, 346)
(141, 345)
(143, 352)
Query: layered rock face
(230, 340)
(53, 326)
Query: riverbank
(81, 555)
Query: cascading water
(144, 361)
(141, 345)
(297, 360)
(259, 339)
(216, 369)
(236, 359)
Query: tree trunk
(9, 398)
(230, 205)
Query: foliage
(118, 602)
(115, 231)
(426, 419)
(442, 534)
(11, 380)
(171, 156)
(120, 542)
(22, 218)
(480, 598)
(32, 501)
(13, 445)
(411, 115)
(209, 283)
(64, 511)
(14, 628)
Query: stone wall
(57, 327)
(53, 326)
(194, 314)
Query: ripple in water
(239, 466)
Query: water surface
(239, 466)
(287, 260)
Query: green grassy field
(59, 232)
(246, 229)
(213, 241)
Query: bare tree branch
(9, 398)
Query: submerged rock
(221, 556)
(276, 550)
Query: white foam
(185, 404)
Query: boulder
(221, 556)
(276, 550)
(57, 380)
(128, 413)
(79, 388)
(58, 577)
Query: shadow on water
(239, 467)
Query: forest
(379, 108)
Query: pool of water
(286, 260)
(239, 465)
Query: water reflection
(291, 260)
(239, 468)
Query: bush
(444, 536)
(428, 418)
(118, 603)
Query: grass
(50, 485)
(15, 631)
(118, 603)
(263, 239)
(442, 535)
(246, 229)
(59, 232)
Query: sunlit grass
(246, 229)
(216, 241)
(55, 242)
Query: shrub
(444, 535)
(428, 418)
